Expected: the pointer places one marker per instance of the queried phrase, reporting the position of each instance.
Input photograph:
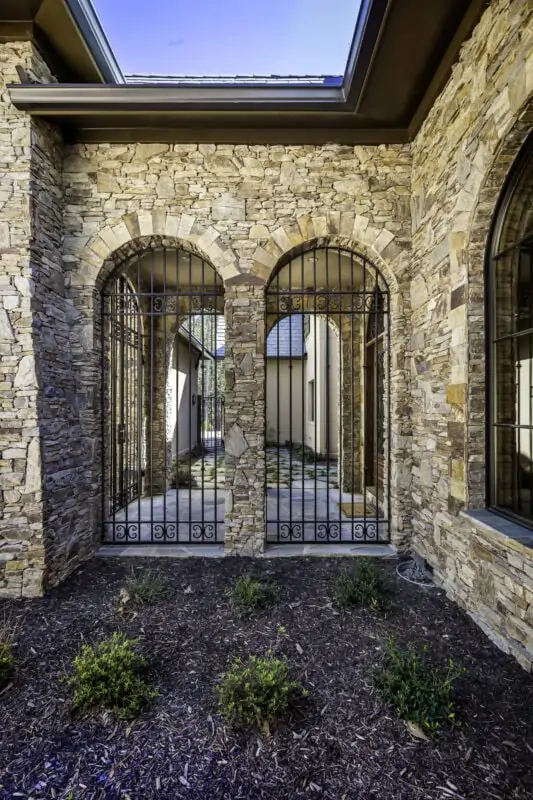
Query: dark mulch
(342, 743)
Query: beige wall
(282, 382)
(182, 384)
(323, 348)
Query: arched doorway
(327, 400)
(163, 345)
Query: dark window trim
(492, 253)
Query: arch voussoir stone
(340, 229)
(137, 230)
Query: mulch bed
(342, 742)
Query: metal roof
(285, 340)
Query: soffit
(400, 61)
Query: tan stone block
(258, 232)
(456, 394)
(320, 225)
(282, 239)
(186, 225)
(457, 469)
(383, 239)
(16, 566)
(146, 225)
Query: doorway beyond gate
(327, 400)
(162, 412)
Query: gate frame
(166, 531)
(288, 304)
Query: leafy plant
(146, 587)
(361, 586)
(248, 594)
(418, 692)
(257, 692)
(7, 659)
(111, 675)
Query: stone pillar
(155, 383)
(22, 547)
(244, 422)
(351, 389)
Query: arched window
(510, 336)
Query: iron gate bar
(144, 303)
(349, 296)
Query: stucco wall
(183, 384)
(461, 158)
(327, 409)
(283, 384)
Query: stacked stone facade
(461, 158)
(420, 213)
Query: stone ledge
(502, 529)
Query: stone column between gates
(244, 416)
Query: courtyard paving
(303, 505)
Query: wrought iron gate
(161, 483)
(328, 406)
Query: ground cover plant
(257, 691)
(248, 593)
(342, 741)
(111, 675)
(418, 691)
(145, 587)
(361, 584)
(7, 658)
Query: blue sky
(226, 37)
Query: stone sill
(507, 532)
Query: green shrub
(418, 692)
(146, 587)
(7, 663)
(248, 594)
(110, 675)
(363, 585)
(7, 659)
(257, 692)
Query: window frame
(522, 164)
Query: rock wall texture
(461, 157)
(244, 209)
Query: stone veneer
(461, 157)
(419, 212)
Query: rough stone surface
(461, 158)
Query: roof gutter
(90, 28)
(53, 99)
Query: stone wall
(245, 210)
(461, 158)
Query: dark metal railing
(328, 401)
(161, 483)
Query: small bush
(7, 659)
(418, 692)
(248, 594)
(110, 675)
(257, 692)
(145, 588)
(361, 586)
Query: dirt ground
(342, 741)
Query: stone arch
(484, 206)
(132, 233)
(342, 229)
(355, 234)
